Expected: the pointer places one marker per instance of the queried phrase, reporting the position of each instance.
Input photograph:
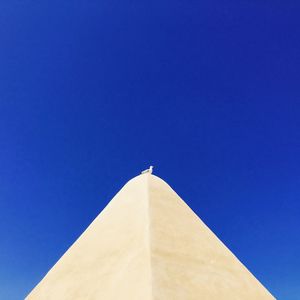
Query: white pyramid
(147, 244)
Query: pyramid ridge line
(149, 236)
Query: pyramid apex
(149, 177)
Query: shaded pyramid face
(147, 244)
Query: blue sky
(92, 92)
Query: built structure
(147, 244)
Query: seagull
(150, 170)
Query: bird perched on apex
(150, 170)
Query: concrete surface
(147, 244)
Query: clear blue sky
(92, 92)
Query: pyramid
(147, 244)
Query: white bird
(150, 170)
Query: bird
(150, 170)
